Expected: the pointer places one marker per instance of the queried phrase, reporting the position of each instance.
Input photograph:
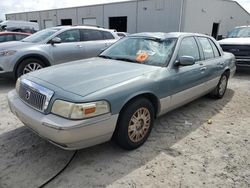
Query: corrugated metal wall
(142, 15)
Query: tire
(131, 134)
(221, 88)
(29, 65)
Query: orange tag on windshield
(142, 57)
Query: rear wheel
(221, 88)
(29, 65)
(134, 124)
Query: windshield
(41, 35)
(239, 32)
(142, 50)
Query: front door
(69, 49)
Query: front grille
(34, 95)
(237, 50)
(33, 98)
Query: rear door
(212, 61)
(70, 47)
(94, 42)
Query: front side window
(70, 36)
(206, 47)
(189, 47)
(149, 51)
(41, 36)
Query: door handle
(221, 63)
(79, 46)
(203, 68)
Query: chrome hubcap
(139, 124)
(31, 67)
(223, 85)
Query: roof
(81, 27)
(162, 36)
(15, 33)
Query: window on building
(89, 21)
(33, 21)
(189, 47)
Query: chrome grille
(34, 95)
(33, 98)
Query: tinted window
(70, 36)
(215, 49)
(89, 35)
(2, 38)
(9, 38)
(207, 48)
(107, 35)
(189, 47)
(20, 37)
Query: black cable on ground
(58, 173)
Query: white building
(212, 17)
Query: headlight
(7, 52)
(80, 111)
(18, 85)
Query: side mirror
(185, 61)
(55, 40)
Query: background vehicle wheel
(134, 124)
(29, 65)
(221, 88)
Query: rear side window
(107, 35)
(206, 47)
(90, 35)
(215, 49)
(189, 47)
(9, 38)
(20, 37)
(70, 36)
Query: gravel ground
(184, 150)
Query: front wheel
(134, 124)
(29, 65)
(221, 88)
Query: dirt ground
(182, 151)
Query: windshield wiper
(126, 59)
(105, 57)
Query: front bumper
(240, 62)
(67, 134)
(6, 67)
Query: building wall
(151, 15)
(199, 16)
(121, 9)
(159, 15)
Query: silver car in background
(53, 46)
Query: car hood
(87, 76)
(14, 45)
(233, 41)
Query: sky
(13, 6)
